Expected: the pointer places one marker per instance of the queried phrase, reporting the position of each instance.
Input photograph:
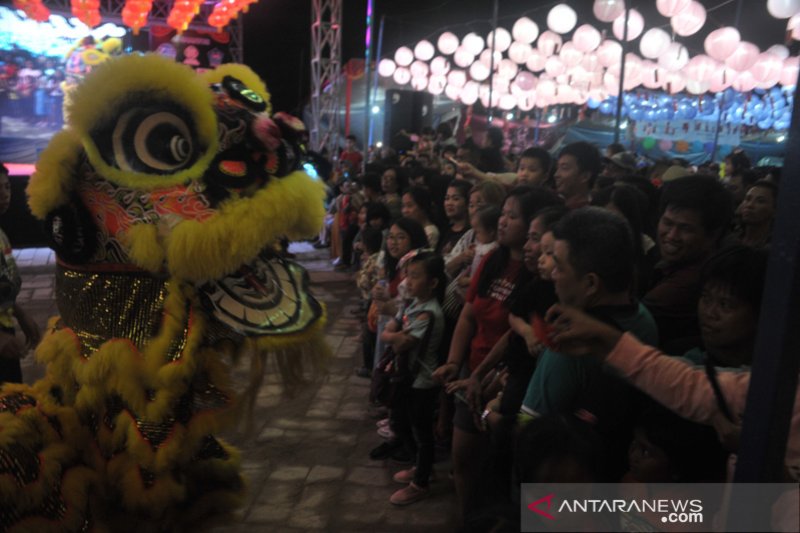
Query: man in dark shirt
(576, 170)
(695, 214)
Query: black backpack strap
(711, 373)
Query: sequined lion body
(163, 197)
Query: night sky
(277, 35)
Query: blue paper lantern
(606, 108)
(591, 103)
(765, 124)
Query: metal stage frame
(326, 69)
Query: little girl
(484, 226)
(415, 334)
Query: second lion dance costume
(163, 196)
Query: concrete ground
(307, 462)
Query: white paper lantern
(701, 68)
(697, 87)
(526, 101)
(386, 67)
(501, 43)
(743, 57)
(590, 63)
(783, 9)
(469, 94)
(546, 89)
(675, 58)
(793, 27)
(609, 53)
(452, 92)
(779, 50)
(525, 30)
(767, 69)
(791, 68)
(508, 102)
(518, 52)
(570, 55)
(608, 10)
(670, 8)
(403, 56)
(562, 19)
(501, 85)
(479, 71)
(401, 76)
(525, 81)
(419, 69)
(473, 43)
(744, 82)
(447, 43)
(440, 66)
(486, 59)
(635, 25)
(549, 43)
(674, 82)
(536, 61)
(507, 69)
(586, 38)
(463, 57)
(554, 66)
(437, 84)
(721, 43)
(690, 20)
(655, 42)
(420, 83)
(424, 50)
(457, 78)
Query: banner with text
(688, 130)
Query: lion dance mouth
(164, 197)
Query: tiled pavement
(307, 462)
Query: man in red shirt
(351, 154)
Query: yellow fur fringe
(242, 73)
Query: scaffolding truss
(111, 11)
(326, 63)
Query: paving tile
(321, 473)
(375, 477)
(289, 473)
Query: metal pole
(622, 75)
(719, 125)
(491, 60)
(375, 79)
(773, 382)
(367, 69)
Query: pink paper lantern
(590, 63)
(721, 79)
(447, 43)
(508, 102)
(700, 68)
(486, 58)
(562, 19)
(401, 76)
(536, 61)
(479, 71)
(793, 27)
(744, 82)
(611, 84)
(767, 68)
(779, 50)
(473, 43)
(436, 84)
(655, 42)
(652, 75)
(608, 10)
(570, 55)
(546, 89)
(675, 58)
(424, 50)
(469, 94)
(525, 81)
(697, 87)
(635, 25)
(525, 30)
(440, 66)
(743, 57)
(507, 69)
(457, 78)
(404, 56)
(665, 144)
(791, 68)
(526, 101)
(674, 82)
(452, 92)
(419, 69)
(609, 53)
(463, 57)
(554, 66)
(586, 38)
(670, 8)
(690, 20)
(518, 52)
(721, 43)
(419, 83)
(549, 43)
(501, 42)
(386, 67)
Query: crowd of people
(31, 88)
(498, 293)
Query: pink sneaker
(383, 422)
(386, 433)
(405, 476)
(409, 494)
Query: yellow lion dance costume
(164, 197)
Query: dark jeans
(368, 340)
(413, 417)
(10, 368)
(348, 236)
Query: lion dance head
(164, 198)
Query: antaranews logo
(547, 499)
(674, 511)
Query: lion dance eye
(149, 139)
